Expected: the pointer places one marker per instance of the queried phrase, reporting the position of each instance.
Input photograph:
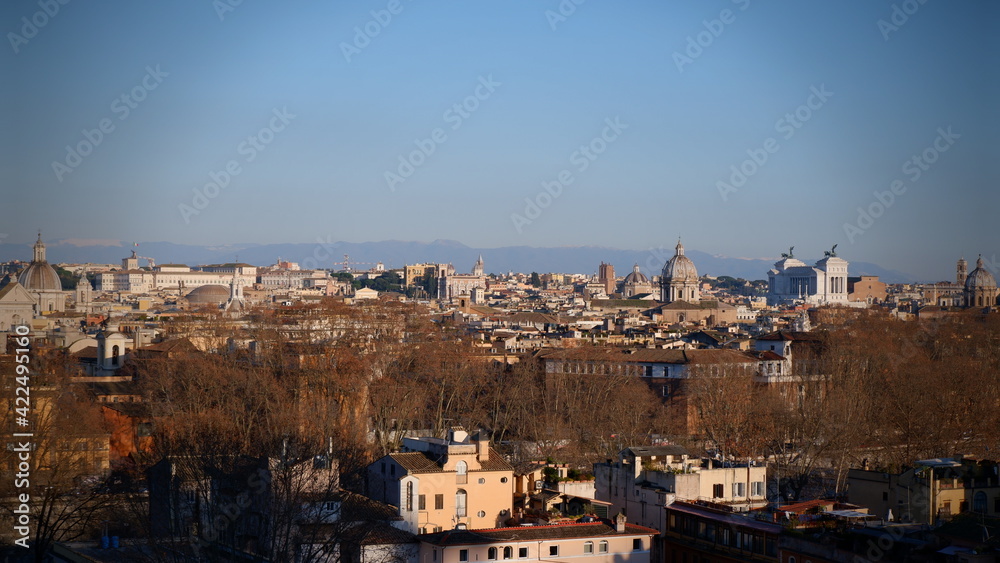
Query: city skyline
(742, 127)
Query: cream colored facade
(442, 484)
(175, 276)
(595, 542)
(646, 479)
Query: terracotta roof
(532, 533)
(377, 534)
(789, 335)
(768, 355)
(415, 462)
(86, 353)
(496, 462)
(679, 305)
(421, 462)
(114, 388)
(174, 345)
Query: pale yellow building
(934, 489)
(445, 483)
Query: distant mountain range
(395, 254)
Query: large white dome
(680, 267)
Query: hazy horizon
(740, 126)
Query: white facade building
(646, 479)
(792, 281)
(175, 276)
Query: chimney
(482, 447)
(620, 523)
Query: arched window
(460, 503)
(979, 502)
(603, 546)
(461, 471)
(114, 355)
(508, 552)
(491, 554)
(588, 548)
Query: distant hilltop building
(452, 285)
(606, 276)
(679, 281)
(980, 286)
(635, 284)
(131, 279)
(792, 281)
(42, 282)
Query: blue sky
(692, 87)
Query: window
(482, 481)
(553, 551)
(739, 489)
(637, 544)
(438, 502)
(979, 502)
(481, 514)
(508, 552)
(392, 470)
(503, 479)
(409, 496)
(588, 548)
(461, 472)
(491, 553)
(522, 553)
(717, 491)
(463, 555)
(421, 502)
(885, 495)
(460, 498)
(757, 489)
(602, 547)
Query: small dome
(980, 278)
(636, 276)
(40, 276)
(208, 295)
(680, 267)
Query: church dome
(636, 276)
(680, 267)
(39, 275)
(208, 295)
(980, 278)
